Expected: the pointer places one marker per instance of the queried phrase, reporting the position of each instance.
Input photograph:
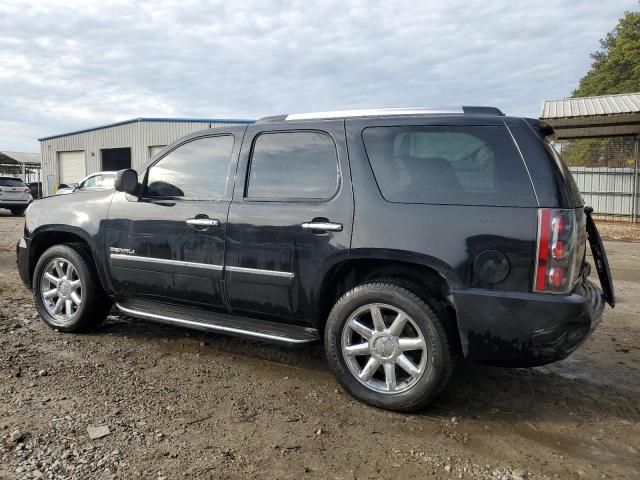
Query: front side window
(293, 165)
(197, 169)
(458, 165)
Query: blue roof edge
(168, 120)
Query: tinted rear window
(11, 182)
(458, 165)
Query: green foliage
(616, 66)
(615, 69)
(583, 152)
(598, 152)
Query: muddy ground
(182, 404)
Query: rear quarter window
(454, 165)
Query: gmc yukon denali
(401, 238)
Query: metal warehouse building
(68, 157)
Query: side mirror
(127, 181)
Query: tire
(17, 212)
(83, 285)
(423, 335)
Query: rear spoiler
(542, 127)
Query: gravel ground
(173, 403)
(629, 232)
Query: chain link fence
(607, 173)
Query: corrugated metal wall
(607, 171)
(610, 191)
(137, 135)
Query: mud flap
(600, 259)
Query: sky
(67, 65)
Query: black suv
(402, 238)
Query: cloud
(72, 64)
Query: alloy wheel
(61, 290)
(384, 348)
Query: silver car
(14, 195)
(95, 181)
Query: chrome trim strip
(163, 261)
(257, 271)
(220, 328)
(374, 112)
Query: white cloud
(70, 64)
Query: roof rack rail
(377, 112)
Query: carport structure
(27, 166)
(612, 188)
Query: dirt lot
(620, 231)
(184, 404)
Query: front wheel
(388, 347)
(67, 291)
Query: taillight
(27, 190)
(556, 250)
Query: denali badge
(122, 250)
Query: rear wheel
(388, 347)
(67, 291)
(18, 212)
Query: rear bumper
(14, 203)
(521, 329)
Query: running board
(271, 332)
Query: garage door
(71, 168)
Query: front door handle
(322, 226)
(203, 222)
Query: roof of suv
(385, 112)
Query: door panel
(273, 264)
(155, 254)
(168, 244)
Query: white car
(14, 195)
(95, 181)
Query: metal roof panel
(168, 120)
(588, 106)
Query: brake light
(556, 248)
(27, 190)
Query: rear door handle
(203, 222)
(322, 226)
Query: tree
(615, 69)
(616, 66)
